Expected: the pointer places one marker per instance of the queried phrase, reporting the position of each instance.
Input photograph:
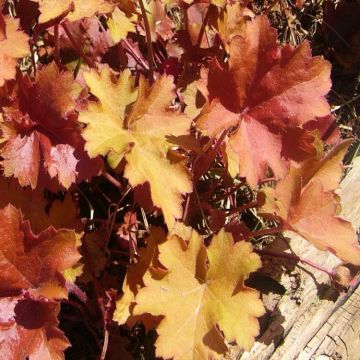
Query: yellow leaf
(141, 136)
(203, 291)
(119, 25)
(89, 8)
(105, 131)
(51, 9)
(193, 99)
(133, 280)
(13, 46)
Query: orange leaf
(34, 207)
(13, 46)
(197, 299)
(51, 9)
(305, 200)
(31, 262)
(133, 280)
(32, 270)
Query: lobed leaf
(14, 45)
(32, 270)
(140, 136)
(267, 99)
(41, 138)
(305, 200)
(197, 300)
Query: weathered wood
(311, 322)
(339, 337)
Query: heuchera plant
(139, 142)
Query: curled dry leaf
(199, 300)
(264, 94)
(305, 200)
(140, 136)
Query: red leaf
(32, 262)
(31, 278)
(22, 158)
(265, 93)
(59, 161)
(44, 137)
(29, 328)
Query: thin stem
(242, 208)
(129, 48)
(203, 26)
(57, 47)
(105, 345)
(148, 42)
(186, 209)
(184, 8)
(228, 193)
(295, 258)
(77, 68)
(210, 158)
(202, 211)
(111, 179)
(114, 218)
(33, 63)
(76, 46)
(264, 232)
(122, 55)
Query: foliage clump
(150, 152)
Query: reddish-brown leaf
(29, 329)
(31, 280)
(40, 134)
(34, 263)
(34, 207)
(267, 94)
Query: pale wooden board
(310, 324)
